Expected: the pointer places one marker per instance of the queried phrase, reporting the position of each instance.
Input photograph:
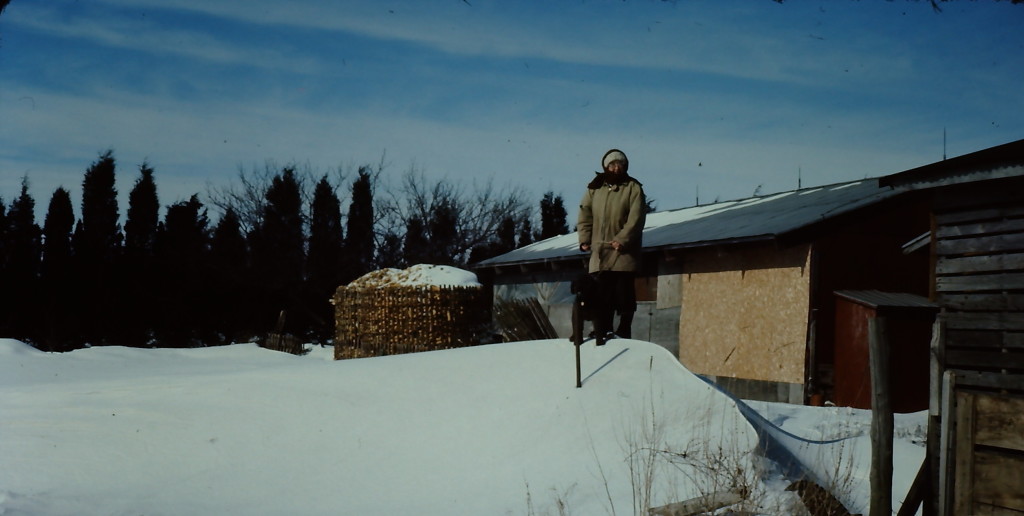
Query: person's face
(616, 167)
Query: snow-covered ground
(489, 430)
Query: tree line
(282, 242)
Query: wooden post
(881, 419)
(946, 442)
(933, 454)
(579, 381)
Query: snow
(418, 275)
(495, 429)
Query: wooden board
(981, 228)
(985, 339)
(998, 481)
(1000, 422)
(1004, 321)
(744, 314)
(983, 263)
(981, 282)
(974, 359)
(989, 454)
(981, 244)
(670, 290)
(1002, 301)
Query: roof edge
(1006, 160)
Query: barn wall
(979, 282)
(864, 252)
(744, 312)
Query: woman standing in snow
(610, 226)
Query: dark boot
(602, 326)
(625, 329)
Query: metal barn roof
(1001, 161)
(756, 218)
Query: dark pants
(618, 293)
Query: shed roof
(878, 299)
(997, 162)
(745, 220)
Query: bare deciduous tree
(469, 216)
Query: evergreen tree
(137, 271)
(97, 243)
(507, 235)
(182, 245)
(101, 232)
(3, 235)
(5, 301)
(324, 262)
(56, 275)
(359, 243)
(552, 216)
(143, 216)
(278, 247)
(21, 273)
(525, 233)
(230, 287)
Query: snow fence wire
(378, 321)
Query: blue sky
(713, 97)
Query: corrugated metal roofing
(879, 299)
(756, 218)
(997, 162)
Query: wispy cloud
(672, 37)
(117, 30)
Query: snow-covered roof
(755, 218)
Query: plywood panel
(744, 313)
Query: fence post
(881, 418)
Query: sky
(710, 100)
(495, 429)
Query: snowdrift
(498, 429)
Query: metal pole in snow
(579, 382)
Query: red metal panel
(852, 370)
(908, 335)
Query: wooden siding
(979, 278)
(989, 454)
(744, 313)
(978, 251)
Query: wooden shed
(743, 291)
(909, 319)
(976, 435)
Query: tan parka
(613, 212)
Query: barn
(743, 291)
(976, 435)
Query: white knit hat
(613, 155)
